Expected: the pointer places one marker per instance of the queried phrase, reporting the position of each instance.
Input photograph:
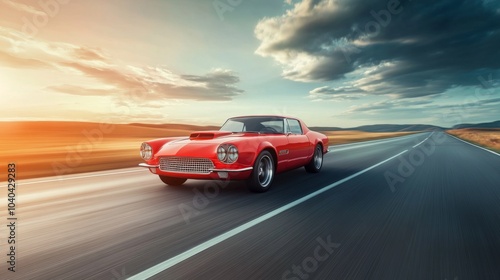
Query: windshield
(254, 124)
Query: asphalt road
(423, 206)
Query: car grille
(186, 165)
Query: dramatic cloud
(151, 84)
(79, 90)
(384, 106)
(10, 60)
(337, 94)
(404, 48)
(23, 7)
(89, 54)
(123, 82)
(448, 113)
(216, 85)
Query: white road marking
(493, 152)
(338, 148)
(55, 179)
(379, 140)
(414, 146)
(216, 240)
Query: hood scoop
(206, 135)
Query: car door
(299, 146)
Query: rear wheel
(263, 173)
(172, 181)
(314, 166)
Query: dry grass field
(56, 148)
(488, 138)
(42, 149)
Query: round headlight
(146, 151)
(221, 153)
(232, 154)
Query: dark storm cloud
(411, 48)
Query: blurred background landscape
(43, 149)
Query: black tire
(172, 181)
(263, 173)
(314, 166)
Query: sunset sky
(332, 63)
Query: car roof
(263, 116)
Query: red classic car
(252, 148)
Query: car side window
(294, 126)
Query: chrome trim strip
(211, 169)
(231, 170)
(184, 173)
(148, 165)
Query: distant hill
(326, 128)
(406, 127)
(397, 127)
(383, 128)
(495, 124)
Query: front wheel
(314, 166)
(263, 173)
(172, 181)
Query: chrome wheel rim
(265, 171)
(318, 158)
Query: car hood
(203, 143)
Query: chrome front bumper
(211, 169)
(148, 165)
